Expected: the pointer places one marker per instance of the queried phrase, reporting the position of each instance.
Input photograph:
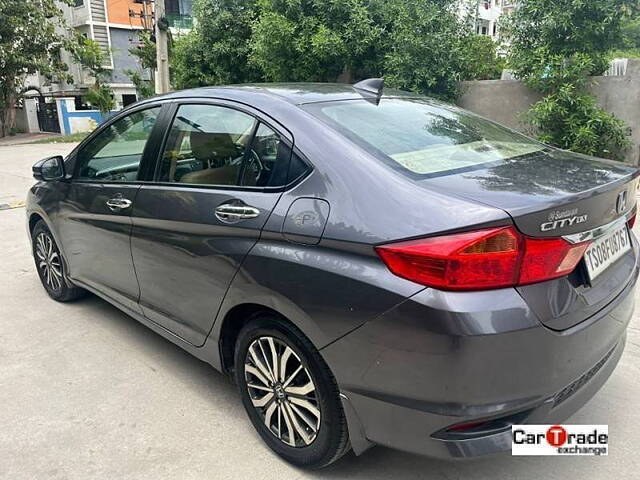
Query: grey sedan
(370, 266)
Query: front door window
(114, 155)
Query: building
(486, 18)
(115, 26)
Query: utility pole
(162, 49)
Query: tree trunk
(8, 117)
(11, 115)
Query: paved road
(88, 393)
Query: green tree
(425, 50)
(217, 50)
(555, 46)
(32, 35)
(145, 51)
(629, 46)
(90, 56)
(311, 40)
(425, 46)
(481, 59)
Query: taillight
(482, 259)
(632, 221)
(547, 258)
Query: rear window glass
(421, 137)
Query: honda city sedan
(369, 265)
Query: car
(370, 266)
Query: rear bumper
(443, 358)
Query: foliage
(32, 34)
(624, 53)
(631, 33)
(90, 56)
(481, 59)
(217, 50)
(313, 40)
(416, 46)
(425, 47)
(555, 46)
(145, 51)
(572, 119)
(539, 29)
(629, 46)
(100, 96)
(145, 88)
(422, 46)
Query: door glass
(115, 154)
(268, 160)
(206, 145)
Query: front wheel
(289, 393)
(50, 266)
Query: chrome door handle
(233, 213)
(118, 203)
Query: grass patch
(73, 138)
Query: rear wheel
(289, 393)
(50, 266)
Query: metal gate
(48, 116)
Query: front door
(95, 226)
(217, 183)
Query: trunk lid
(555, 193)
(549, 193)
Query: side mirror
(51, 168)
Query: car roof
(294, 93)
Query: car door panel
(185, 256)
(97, 240)
(95, 226)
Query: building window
(128, 99)
(78, 3)
(495, 28)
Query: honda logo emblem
(621, 202)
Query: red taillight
(547, 258)
(632, 221)
(482, 259)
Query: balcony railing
(180, 22)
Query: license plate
(605, 250)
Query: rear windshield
(422, 138)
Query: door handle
(233, 213)
(118, 203)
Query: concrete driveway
(88, 393)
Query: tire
(51, 267)
(311, 443)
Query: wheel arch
(34, 218)
(233, 321)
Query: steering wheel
(254, 167)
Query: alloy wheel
(49, 261)
(282, 390)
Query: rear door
(220, 174)
(95, 224)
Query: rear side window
(206, 145)
(216, 145)
(267, 160)
(420, 137)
